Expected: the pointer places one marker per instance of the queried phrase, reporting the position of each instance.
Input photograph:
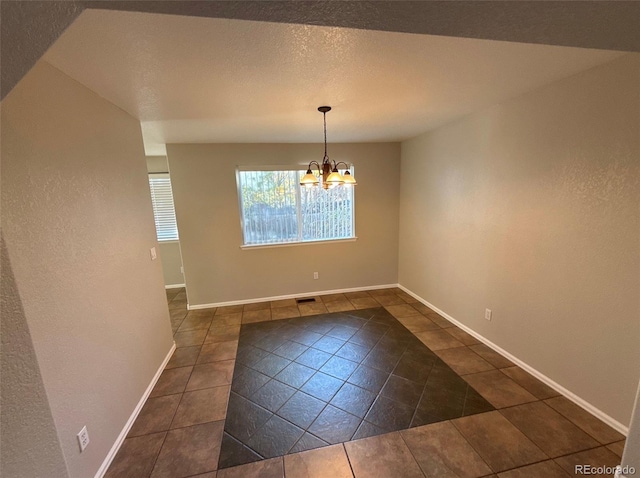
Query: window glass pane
(269, 209)
(326, 213)
(275, 209)
(163, 211)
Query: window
(276, 210)
(163, 211)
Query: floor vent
(306, 299)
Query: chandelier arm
(317, 166)
(341, 162)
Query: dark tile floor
(308, 382)
(252, 380)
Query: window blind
(163, 209)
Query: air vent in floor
(304, 300)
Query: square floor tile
(554, 434)
(248, 382)
(271, 365)
(529, 383)
(202, 406)
(499, 389)
(275, 438)
(184, 357)
(189, 451)
(596, 458)
(272, 395)
(323, 462)
(403, 390)
(353, 399)
(136, 456)
(156, 415)
(190, 337)
(500, 444)
(218, 351)
(463, 360)
(353, 352)
(383, 455)
(438, 339)
(322, 386)
(211, 375)
(308, 442)
(442, 452)
(222, 334)
(390, 415)
(491, 356)
(368, 378)
(334, 425)
(171, 381)
(244, 417)
(339, 367)
(584, 420)
(301, 409)
(272, 468)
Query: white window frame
(164, 220)
(300, 169)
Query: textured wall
(171, 262)
(531, 209)
(78, 225)
(29, 444)
(206, 198)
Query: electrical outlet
(315, 275)
(181, 269)
(152, 251)
(487, 314)
(83, 438)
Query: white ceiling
(196, 80)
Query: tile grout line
(353, 473)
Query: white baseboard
(174, 286)
(612, 422)
(123, 434)
(289, 296)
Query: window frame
(176, 236)
(299, 169)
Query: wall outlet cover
(83, 438)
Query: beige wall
(171, 263)
(531, 209)
(29, 445)
(217, 270)
(169, 250)
(78, 225)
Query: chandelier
(331, 177)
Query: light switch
(153, 253)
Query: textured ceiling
(192, 79)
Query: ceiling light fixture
(331, 177)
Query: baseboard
(174, 286)
(289, 296)
(612, 422)
(123, 434)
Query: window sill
(301, 243)
(169, 241)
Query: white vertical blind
(276, 210)
(163, 210)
